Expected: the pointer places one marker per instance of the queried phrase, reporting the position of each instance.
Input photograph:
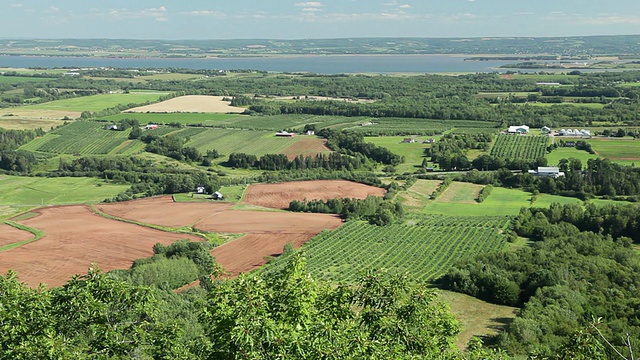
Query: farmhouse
(285, 134)
(518, 129)
(310, 132)
(547, 171)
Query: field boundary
(37, 235)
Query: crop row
(80, 137)
(425, 252)
(525, 148)
(250, 142)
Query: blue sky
(282, 19)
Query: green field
(525, 148)
(405, 126)
(425, 251)
(502, 201)
(82, 137)
(413, 152)
(556, 155)
(623, 151)
(36, 191)
(180, 118)
(96, 102)
(228, 141)
(21, 79)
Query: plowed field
(279, 195)
(190, 103)
(306, 147)
(75, 238)
(10, 235)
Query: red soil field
(267, 222)
(252, 251)
(306, 147)
(279, 195)
(10, 235)
(75, 238)
(163, 211)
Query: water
(329, 64)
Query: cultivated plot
(75, 238)
(191, 103)
(281, 194)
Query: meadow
(21, 79)
(413, 152)
(556, 155)
(227, 141)
(95, 102)
(622, 151)
(38, 191)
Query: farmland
(413, 152)
(79, 137)
(190, 103)
(622, 151)
(524, 148)
(227, 141)
(206, 119)
(556, 155)
(95, 102)
(425, 250)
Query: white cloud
(309, 4)
(312, 9)
(158, 14)
(212, 13)
(404, 6)
(15, 5)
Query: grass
(502, 201)
(417, 197)
(38, 191)
(413, 152)
(21, 79)
(95, 102)
(477, 317)
(180, 118)
(623, 151)
(18, 123)
(586, 105)
(37, 235)
(556, 155)
(458, 192)
(228, 141)
(232, 194)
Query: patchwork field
(190, 103)
(281, 194)
(76, 238)
(417, 197)
(29, 123)
(92, 103)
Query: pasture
(5, 79)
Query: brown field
(75, 238)
(267, 232)
(306, 147)
(20, 123)
(10, 235)
(163, 211)
(279, 195)
(190, 103)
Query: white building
(548, 171)
(518, 129)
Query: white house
(547, 171)
(518, 129)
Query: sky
(283, 19)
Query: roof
(548, 169)
(518, 127)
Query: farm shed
(518, 129)
(151, 126)
(547, 171)
(285, 134)
(217, 196)
(545, 129)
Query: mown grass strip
(212, 238)
(37, 235)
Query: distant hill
(577, 46)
